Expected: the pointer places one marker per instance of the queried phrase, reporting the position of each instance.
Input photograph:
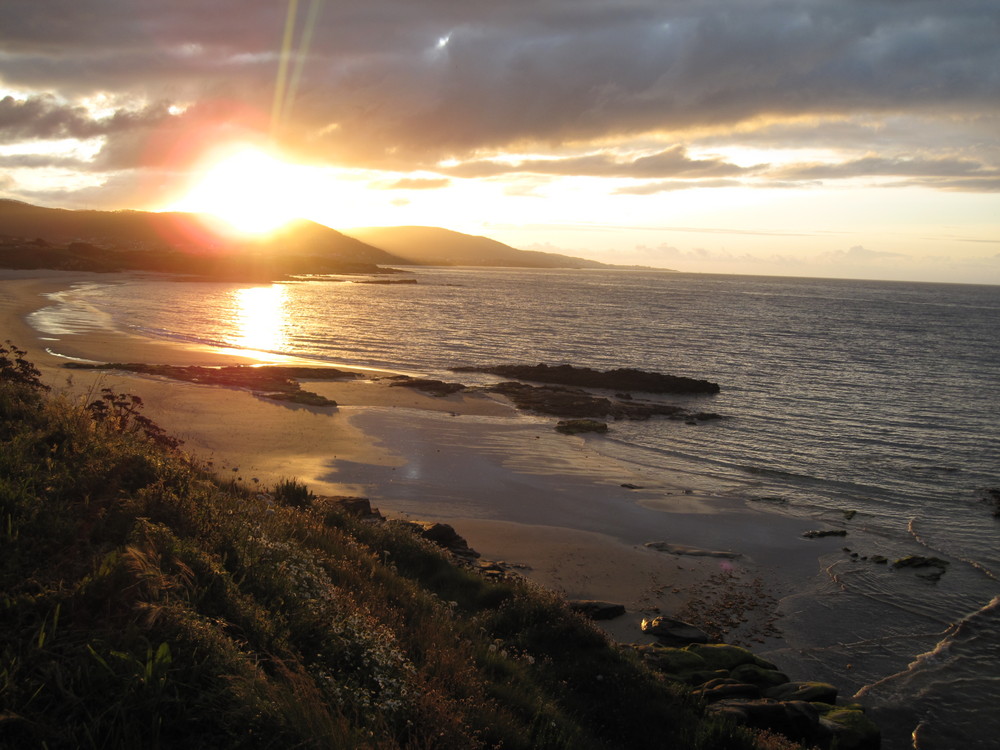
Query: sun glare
(250, 190)
(260, 317)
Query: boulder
(813, 692)
(669, 659)
(360, 507)
(674, 631)
(759, 676)
(432, 387)
(726, 656)
(850, 728)
(725, 688)
(797, 720)
(819, 534)
(443, 535)
(597, 610)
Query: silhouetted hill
(175, 231)
(432, 246)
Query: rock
(630, 486)
(813, 692)
(680, 549)
(670, 659)
(621, 379)
(797, 720)
(720, 689)
(851, 729)
(726, 656)
(759, 676)
(433, 387)
(991, 496)
(577, 426)
(917, 561)
(931, 568)
(597, 610)
(879, 559)
(674, 631)
(442, 534)
(818, 534)
(360, 507)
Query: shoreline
(514, 488)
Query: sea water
(874, 406)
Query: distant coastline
(35, 237)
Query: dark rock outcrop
(820, 533)
(931, 568)
(433, 387)
(443, 535)
(573, 403)
(577, 426)
(674, 632)
(621, 379)
(597, 610)
(736, 683)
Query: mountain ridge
(34, 236)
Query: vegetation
(145, 603)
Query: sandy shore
(517, 490)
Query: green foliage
(144, 603)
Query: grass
(146, 603)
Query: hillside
(147, 603)
(433, 246)
(37, 237)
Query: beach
(550, 506)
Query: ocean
(874, 406)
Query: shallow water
(873, 397)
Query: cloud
(667, 186)
(377, 87)
(857, 254)
(673, 162)
(419, 183)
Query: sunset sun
(250, 190)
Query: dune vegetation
(146, 603)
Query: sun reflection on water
(260, 318)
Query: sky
(834, 138)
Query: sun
(250, 189)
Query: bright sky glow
(778, 138)
(252, 191)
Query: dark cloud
(405, 84)
(673, 162)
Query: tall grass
(143, 603)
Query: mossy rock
(674, 660)
(813, 692)
(726, 656)
(759, 676)
(851, 729)
(700, 677)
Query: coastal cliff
(148, 602)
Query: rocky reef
(622, 378)
(752, 691)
